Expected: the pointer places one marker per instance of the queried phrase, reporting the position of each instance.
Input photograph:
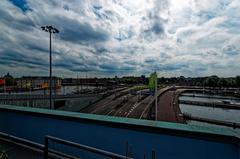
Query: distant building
(2, 81)
(9, 80)
(38, 82)
(8, 76)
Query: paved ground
(168, 109)
(144, 110)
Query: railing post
(127, 150)
(153, 154)
(45, 148)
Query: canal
(209, 98)
(221, 114)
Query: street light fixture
(51, 30)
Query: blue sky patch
(22, 4)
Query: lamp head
(50, 29)
(43, 28)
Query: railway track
(123, 111)
(107, 103)
(134, 107)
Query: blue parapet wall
(169, 140)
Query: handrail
(234, 125)
(80, 146)
(22, 141)
(46, 150)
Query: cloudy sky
(121, 37)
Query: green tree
(237, 81)
(222, 82)
(211, 81)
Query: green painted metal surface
(129, 121)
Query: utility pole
(4, 86)
(78, 91)
(156, 102)
(51, 30)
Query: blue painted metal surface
(112, 136)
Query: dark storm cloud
(9, 57)
(68, 63)
(149, 60)
(23, 24)
(115, 67)
(81, 69)
(128, 68)
(76, 32)
(131, 62)
(110, 66)
(101, 50)
(173, 66)
(39, 48)
(161, 59)
(156, 27)
(17, 23)
(75, 66)
(158, 65)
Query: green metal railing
(78, 146)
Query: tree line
(211, 81)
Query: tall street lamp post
(51, 30)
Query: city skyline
(108, 38)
